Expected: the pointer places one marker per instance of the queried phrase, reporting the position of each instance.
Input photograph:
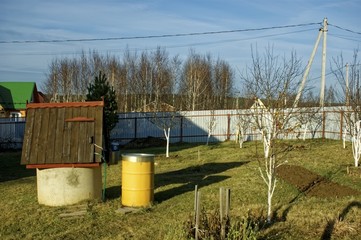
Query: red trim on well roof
(66, 104)
(62, 165)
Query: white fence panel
(192, 126)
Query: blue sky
(43, 20)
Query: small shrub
(210, 227)
(246, 229)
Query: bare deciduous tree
(211, 125)
(222, 83)
(68, 78)
(140, 79)
(196, 85)
(273, 81)
(165, 120)
(348, 77)
(243, 121)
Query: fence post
(181, 129)
(341, 124)
(323, 124)
(135, 127)
(228, 126)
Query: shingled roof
(63, 133)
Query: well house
(63, 141)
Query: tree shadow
(201, 175)
(156, 148)
(276, 217)
(327, 233)
(187, 187)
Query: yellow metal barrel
(137, 179)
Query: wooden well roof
(63, 133)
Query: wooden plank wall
(63, 133)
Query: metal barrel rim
(138, 157)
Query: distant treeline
(199, 82)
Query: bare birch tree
(68, 78)
(196, 84)
(85, 75)
(223, 83)
(140, 79)
(143, 87)
(162, 76)
(51, 85)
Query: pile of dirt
(312, 184)
(145, 142)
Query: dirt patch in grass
(312, 184)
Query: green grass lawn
(210, 167)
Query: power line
(167, 47)
(335, 70)
(158, 36)
(345, 37)
(345, 29)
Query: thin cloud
(46, 20)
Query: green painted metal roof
(14, 95)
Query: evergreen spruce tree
(101, 88)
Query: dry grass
(210, 167)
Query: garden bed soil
(312, 184)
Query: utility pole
(305, 75)
(322, 32)
(323, 69)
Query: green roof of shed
(14, 95)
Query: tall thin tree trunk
(166, 134)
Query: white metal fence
(191, 126)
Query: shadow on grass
(310, 184)
(10, 168)
(113, 192)
(327, 233)
(160, 150)
(201, 175)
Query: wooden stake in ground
(224, 205)
(197, 214)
